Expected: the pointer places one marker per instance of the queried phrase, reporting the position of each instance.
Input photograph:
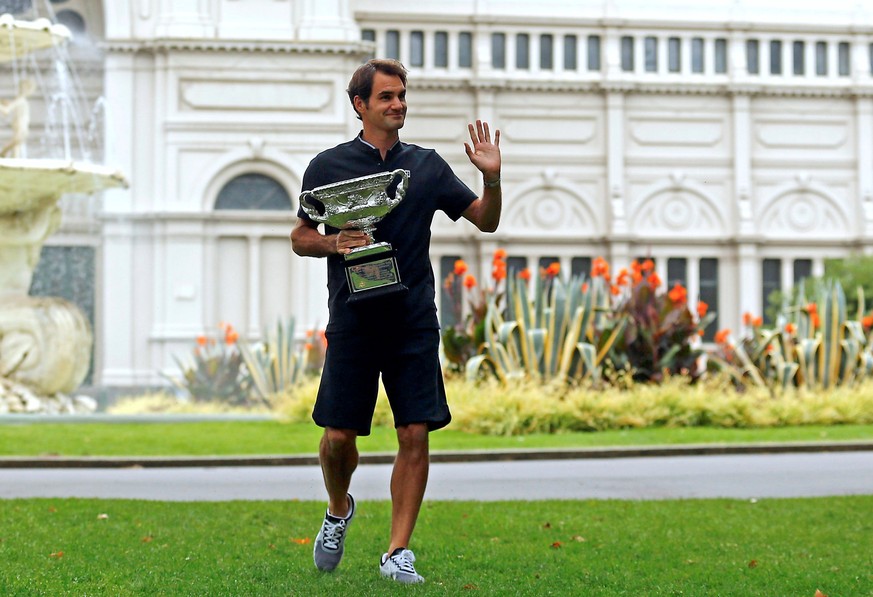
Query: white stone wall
(731, 165)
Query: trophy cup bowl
(361, 203)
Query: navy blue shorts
(408, 361)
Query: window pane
(843, 59)
(392, 44)
(593, 52)
(753, 61)
(677, 271)
(651, 51)
(771, 281)
(569, 52)
(498, 50)
(775, 57)
(253, 191)
(871, 58)
(545, 262)
(798, 50)
(709, 294)
(674, 55)
(721, 56)
(450, 298)
(697, 57)
(514, 265)
(802, 269)
(627, 54)
(416, 48)
(580, 266)
(821, 58)
(546, 52)
(368, 35)
(441, 49)
(522, 51)
(465, 49)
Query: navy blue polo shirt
(432, 186)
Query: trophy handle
(400, 191)
(311, 204)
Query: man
(396, 337)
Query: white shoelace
(333, 534)
(404, 561)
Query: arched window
(253, 191)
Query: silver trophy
(360, 203)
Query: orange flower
(230, 337)
(636, 267)
(460, 267)
(790, 328)
(758, 322)
(307, 347)
(637, 277)
(654, 280)
(811, 308)
(498, 271)
(700, 332)
(867, 321)
(621, 280)
(678, 294)
(553, 270)
(599, 267)
(469, 281)
(813, 317)
(647, 266)
(747, 318)
(702, 308)
(201, 340)
(524, 274)
(584, 286)
(499, 255)
(721, 336)
(615, 290)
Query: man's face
(385, 109)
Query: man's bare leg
(338, 454)
(408, 482)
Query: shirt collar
(370, 145)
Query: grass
(777, 547)
(274, 438)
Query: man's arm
(484, 212)
(307, 241)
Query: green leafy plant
(558, 333)
(661, 331)
(214, 370)
(279, 362)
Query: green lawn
(274, 438)
(771, 548)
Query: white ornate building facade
(731, 141)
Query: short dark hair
(361, 83)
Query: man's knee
(339, 440)
(413, 436)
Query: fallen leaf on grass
(819, 594)
(579, 539)
(557, 545)
(548, 525)
(471, 587)
(148, 539)
(753, 564)
(57, 555)
(102, 516)
(52, 509)
(301, 541)
(271, 546)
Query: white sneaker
(398, 566)
(330, 542)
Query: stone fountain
(45, 342)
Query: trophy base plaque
(371, 272)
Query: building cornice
(358, 48)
